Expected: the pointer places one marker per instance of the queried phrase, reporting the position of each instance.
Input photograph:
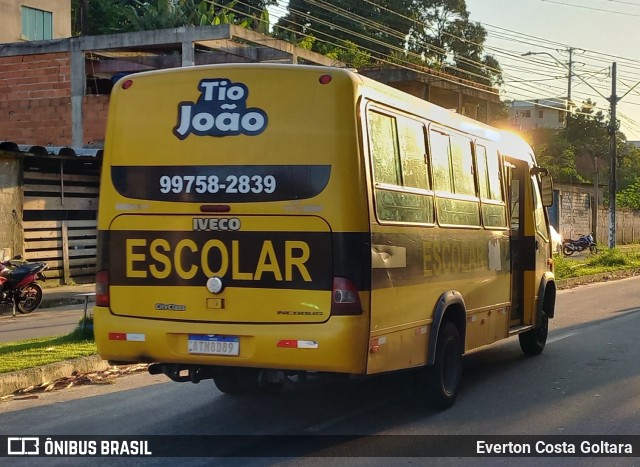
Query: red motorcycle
(18, 284)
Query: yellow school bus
(262, 221)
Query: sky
(600, 31)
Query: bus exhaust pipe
(182, 373)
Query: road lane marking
(560, 337)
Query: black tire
(30, 298)
(593, 249)
(443, 378)
(567, 250)
(238, 381)
(532, 342)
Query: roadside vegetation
(31, 353)
(627, 258)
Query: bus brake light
(345, 298)
(102, 288)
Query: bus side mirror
(546, 184)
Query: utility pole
(569, 103)
(613, 183)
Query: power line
(590, 8)
(519, 92)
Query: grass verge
(604, 261)
(31, 353)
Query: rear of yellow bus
(233, 226)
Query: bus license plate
(213, 344)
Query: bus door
(518, 174)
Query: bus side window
(413, 154)
(384, 148)
(440, 162)
(453, 179)
(398, 152)
(493, 207)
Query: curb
(602, 277)
(12, 382)
(60, 301)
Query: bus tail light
(345, 298)
(102, 288)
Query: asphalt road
(43, 322)
(585, 383)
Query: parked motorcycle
(18, 284)
(569, 247)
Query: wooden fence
(59, 215)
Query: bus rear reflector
(345, 298)
(297, 344)
(102, 288)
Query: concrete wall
(575, 211)
(35, 99)
(10, 206)
(577, 215)
(11, 19)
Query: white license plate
(213, 344)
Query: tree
(96, 17)
(570, 156)
(448, 40)
(433, 33)
(375, 26)
(113, 16)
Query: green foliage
(307, 42)
(161, 14)
(99, 16)
(113, 16)
(571, 156)
(31, 353)
(84, 329)
(375, 29)
(630, 196)
(607, 260)
(349, 53)
(444, 33)
(433, 33)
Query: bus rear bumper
(338, 345)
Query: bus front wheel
(533, 341)
(445, 374)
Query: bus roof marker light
(325, 79)
(127, 84)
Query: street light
(569, 68)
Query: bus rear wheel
(445, 374)
(533, 341)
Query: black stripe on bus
(286, 260)
(221, 183)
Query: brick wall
(35, 99)
(94, 114)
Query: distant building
(34, 20)
(537, 114)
